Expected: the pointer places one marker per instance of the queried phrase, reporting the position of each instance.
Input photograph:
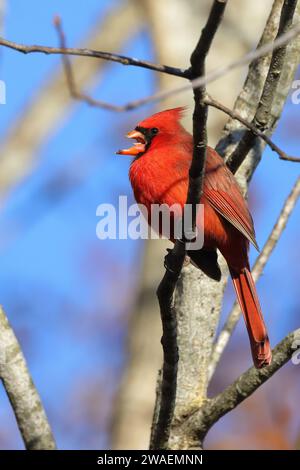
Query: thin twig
(174, 260)
(74, 92)
(19, 147)
(196, 173)
(216, 104)
(23, 396)
(124, 60)
(262, 118)
(196, 83)
(220, 72)
(257, 270)
(208, 100)
(201, 421)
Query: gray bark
(23, 396)
(200, 305)
(207, 311)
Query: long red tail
(249, 303)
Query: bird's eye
(154, 130)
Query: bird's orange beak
(138, 147)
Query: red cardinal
(159, 175)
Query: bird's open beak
(138, 147)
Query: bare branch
(195, 83)
(261, 119)
(124, 60)
(247, 100)
(74, 92)
(257, 270)
(208, 100)
(200, 423)
(23, 396)
(196, 174)
(254, 130)
(175, 258)
(220, 72)
(51, 104)
(175, 261)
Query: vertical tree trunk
(175, 27)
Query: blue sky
(57, 281)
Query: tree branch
(23, 396)
(208, 100)
(196, 173)
(175, 258)
(191, 396)
(233, 395)
(51, 104)
(254, 130)
(261, 119)
(184, 73)
(17, 383)
(74, 92)
(220, 72)
(257, 270)
(121, 59)
(200, 423)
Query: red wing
(220, 189)
(223, 193)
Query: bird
(159, 174)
